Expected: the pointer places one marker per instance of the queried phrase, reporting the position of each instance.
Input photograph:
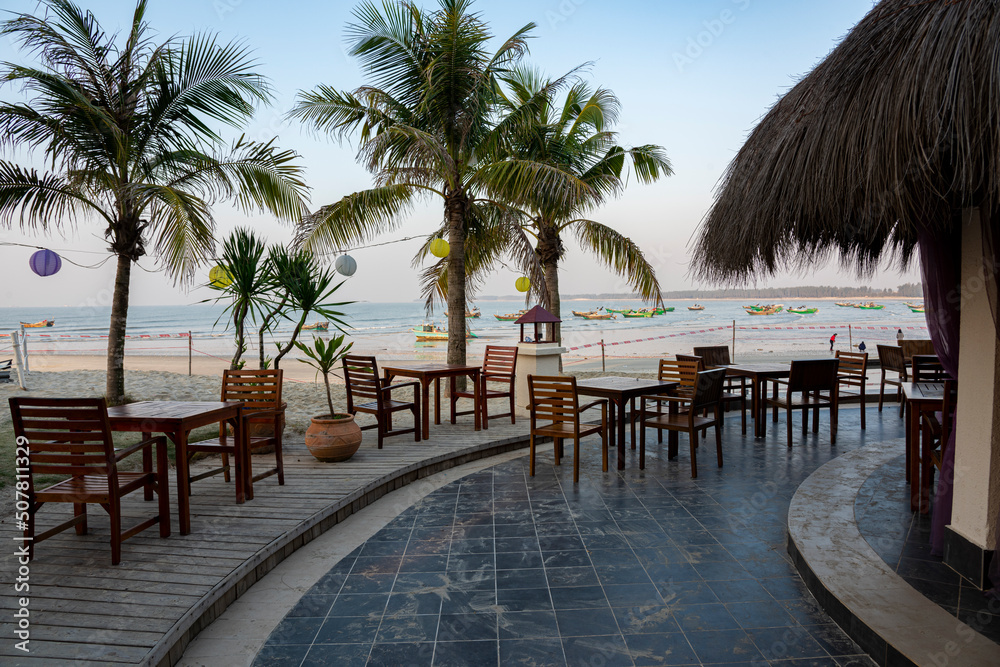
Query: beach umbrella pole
(190, 350)
(603, 367)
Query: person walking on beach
(833, 339)
(899, 335)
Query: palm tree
(576, 138)
(126, 125)
(428, 128)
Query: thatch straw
(896, 128)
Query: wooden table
(619, 391)
(425, 373)
(176, 419)
(758, 374)
(920, 397)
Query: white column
(977, 444)
(534, 359)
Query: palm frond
(40, 200)
(621, 255)
(356, 218)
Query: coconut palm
(576, 138)
(428, 128)
(126, 124)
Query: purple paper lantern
(45, 263)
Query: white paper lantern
(345, 265)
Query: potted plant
(331, 437)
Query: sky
(693, 77)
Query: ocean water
(384, 328)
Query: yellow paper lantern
(440, 248)
(219, 277)
(522, 284)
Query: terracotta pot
(332, 439)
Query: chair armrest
(592, 404)
(389, 387)
(261, 413)
(128, 451)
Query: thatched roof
(895, 129)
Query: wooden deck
(85, 611)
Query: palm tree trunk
(455, 208)
(115, 389)
(552, 287)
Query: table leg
(612, 415)
(906, 438)
(183, 501)
(425, 386)
(244, 468)
(387, 379)
(437, 401)
(925, 471)
(913, 452)
(672, 437)
(621, 435)
(147, 466)
(477, 397)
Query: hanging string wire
(60, 251)
(370, 245)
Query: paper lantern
(345, 265)
(522, 284)
(219, 277)
(45, 263)
(440, 248)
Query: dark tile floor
(902, 539)
(632, 568)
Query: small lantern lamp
(219, 277)
(45, 263)
(345, 265)
(440, 247)
(538, 316)
(522, 284)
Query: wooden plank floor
(85, 611)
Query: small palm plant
(323, 356)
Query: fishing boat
(696, 307)
(316, 326)
(509, 317)
(802, 310)
(755, 307)
(37, 325)
(598, 316)
(431, 332)
(657, 311)
(765, 310)
(637, 313)
(917, 309)
(846, 304)
(870, 306)
(620, 311)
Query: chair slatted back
(853, 367)
(65, 436)
(813, 375)
(713, 355)
(708, 389)
(682, 372)
(693, 359)
(910, 347)
(927, 368)
(553, 398)
(499, 362)
(890, 357)
(361, 377)
(256, 389)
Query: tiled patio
(632, 568)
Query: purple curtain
(941, 269)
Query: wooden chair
(910, 347)
(363, 381)
(890, 358)
(554, 398)
(736, 388)
(937, 428)
(260, 393)
(926, 368)
(707, 398)
(72, 437)
(816, 381)
(853, 373)
(499, 364)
